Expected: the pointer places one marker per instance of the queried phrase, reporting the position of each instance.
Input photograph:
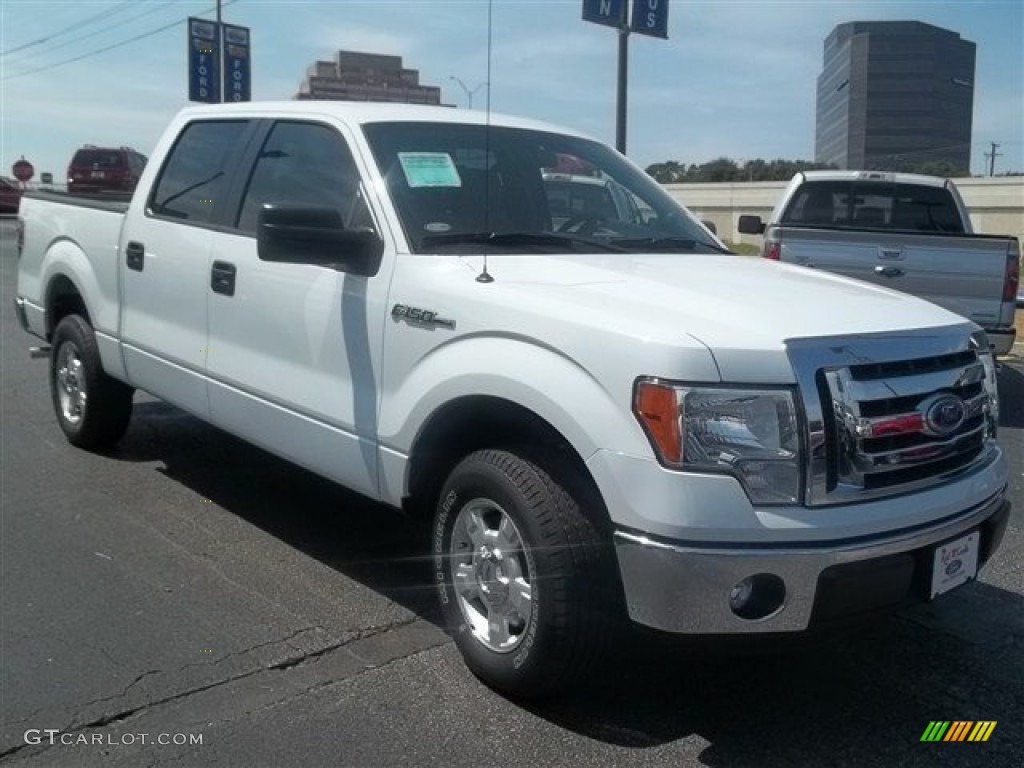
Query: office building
(366, 77)
(894, 95)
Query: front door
(294, 352)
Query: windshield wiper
(558, 239)
(666, 243)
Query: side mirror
(750, 225)
(298, 234)
(710, 226)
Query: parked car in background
(908, 232)
(99, 170)
(10, 195)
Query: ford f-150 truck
(904, 231)
(604, 419)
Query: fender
(555, 387)
(66, 258)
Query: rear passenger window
(192, 179)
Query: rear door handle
(222, 278)
(888, 271)
(135, 256)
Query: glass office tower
(895, 94)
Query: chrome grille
(886, 416)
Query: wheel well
(474, 423)
(63, 299)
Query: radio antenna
(485, 276)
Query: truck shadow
(850, 698)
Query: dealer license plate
(955, 563)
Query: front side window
(458, 185)
(304, 164)
(192, 179)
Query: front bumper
(685, 589)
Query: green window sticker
(429, 169)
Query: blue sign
(203, 61)
(650, 17)
(609, 12)
(237, 64)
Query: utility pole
(992, 158)
(220, 55)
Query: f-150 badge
(422, 317)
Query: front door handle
(888, 271)
(222, 278)
(135, 256)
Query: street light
(469, 91)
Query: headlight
(981, 347)
(752, 434)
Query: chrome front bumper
(685, 589)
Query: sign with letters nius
(203, 61)
(237, 64)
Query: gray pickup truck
(902, 231)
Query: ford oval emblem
(954, 567)
(942, 415)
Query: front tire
(92, 408)
(525, 579)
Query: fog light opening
(758, 596)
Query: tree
(727, 169)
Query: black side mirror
(750, 225)
(710, 226)
(298, 234)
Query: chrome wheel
(71, 386)
(492, 575)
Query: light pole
(469, 91)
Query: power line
(111, 47)
(76, 25)
(151, 9)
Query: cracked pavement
(188, 583)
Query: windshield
(456, 186)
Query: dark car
(10, 195)
(101, 170)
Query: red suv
(10, 195)
(97, 170)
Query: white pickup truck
(605, 419)
(904, 231)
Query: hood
(743, 309)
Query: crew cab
(605, 419)
(903, 231)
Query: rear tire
(92, 408)
(526, 580)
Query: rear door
(165, 264)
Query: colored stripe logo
(958, 730)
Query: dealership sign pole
(650, 17)
(203, 61)
(219, 61)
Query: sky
(735, 78)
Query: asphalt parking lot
(191, 587)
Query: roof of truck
(885, 176)
(371, 112)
